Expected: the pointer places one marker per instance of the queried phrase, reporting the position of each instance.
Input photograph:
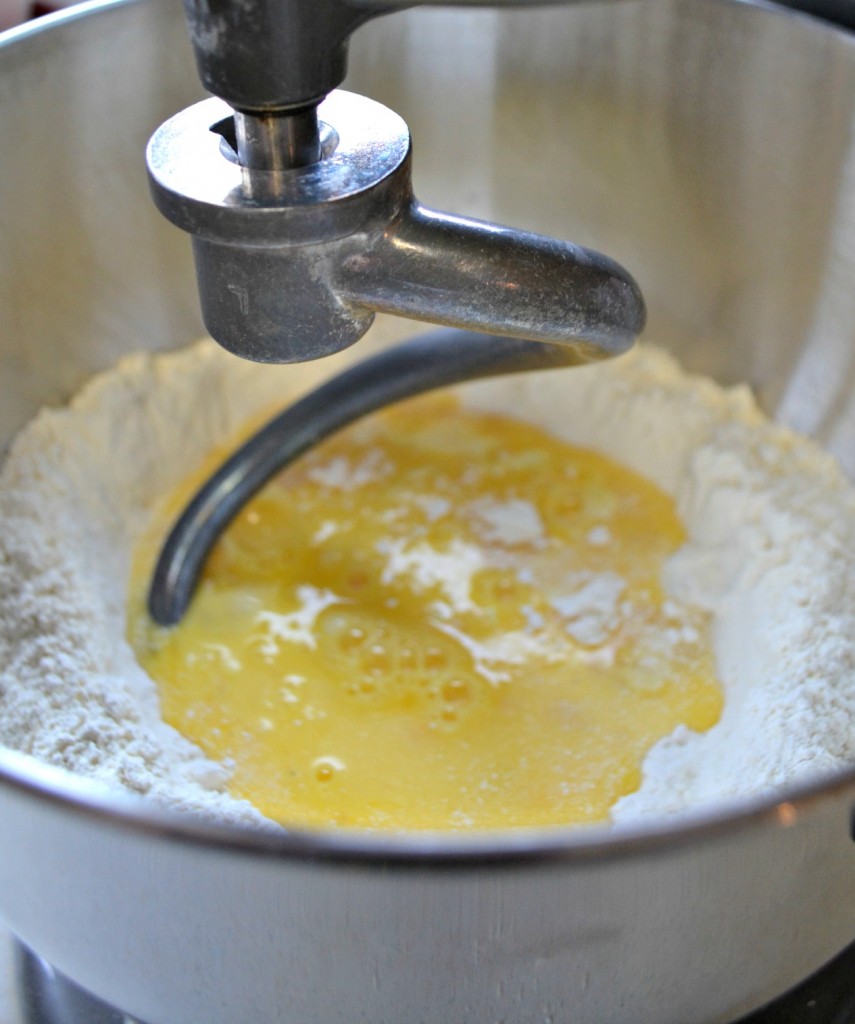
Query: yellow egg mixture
(439, 619)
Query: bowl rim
(106, 805)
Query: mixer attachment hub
(294, 261)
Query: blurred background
(12, 12)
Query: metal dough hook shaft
(430, 361)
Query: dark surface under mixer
(48, 998)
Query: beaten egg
(439, 619)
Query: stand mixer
(300, 203)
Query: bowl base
(47, 997)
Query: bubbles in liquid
(326, 768)
(352, 639)
(377, 661)
(434, 659)
(455, 690)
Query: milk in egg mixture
(439, 619)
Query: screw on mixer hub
(280, 141)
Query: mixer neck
(274, 55)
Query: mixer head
(303, 217)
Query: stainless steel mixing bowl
(708, 146)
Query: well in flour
(770, 554)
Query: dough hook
(437, 359)
(299, 200)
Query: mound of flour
(770, 553)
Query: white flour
(771, 553)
